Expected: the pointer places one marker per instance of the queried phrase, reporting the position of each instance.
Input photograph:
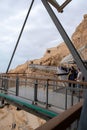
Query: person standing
(74, 72)
(79, 77)
(72, 76)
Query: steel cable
(30, 7)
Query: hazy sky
(39, 34)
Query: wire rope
(30, 7)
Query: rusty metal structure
(63, 33)
(62, 125)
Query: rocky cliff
(53, 56)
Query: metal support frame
(57, 6)
(66, 38)
(76, 56)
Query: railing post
(47, 84)
(17, 86)
(79, 94)
(2, 89)
(6, 85)
(17, 89)
(72, 96)
(66, 99)
(35, 90)
(2, 85)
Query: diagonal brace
(57, 6)
(66, 38)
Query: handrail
(64, 120)
(46, 78)
(46, 83)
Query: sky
(39, 33)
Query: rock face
(79, 37)
(11, 119)
(53, 56)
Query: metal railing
(50, 88)
(48, 91)
(68, 120)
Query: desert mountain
(53, 56)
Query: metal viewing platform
(48, 94)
